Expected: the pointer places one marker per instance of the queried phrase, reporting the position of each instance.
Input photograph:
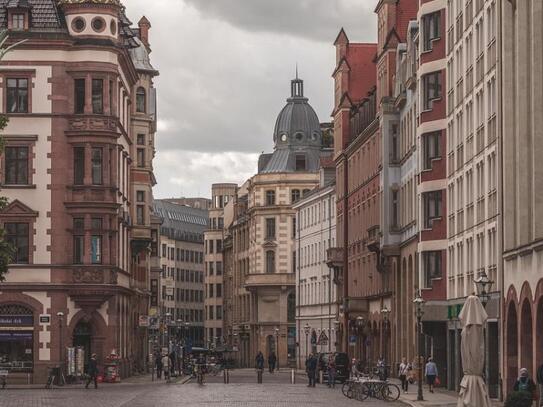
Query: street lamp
(483, 285)
(60, 316)
(277, 345)
(307, 330)
(385, 312)
(419, 312)
(168, 316)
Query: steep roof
(181, 222)
(44, 14)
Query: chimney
(144, 26)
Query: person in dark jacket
(311, 369)
(272, 359)
(158, 364)
(259, 364)
(524, 382)
(92, 371)
(539, 378)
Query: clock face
(283, 137)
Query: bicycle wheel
(347, 386)
(390, 392)
(363, 391)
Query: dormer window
(300, 162)
(18, 21)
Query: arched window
(270, 261)
(140, 100)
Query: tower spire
(297, 86)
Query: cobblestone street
(241, 392)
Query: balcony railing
(334, 257)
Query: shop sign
(45, 319)
(16, 320)
(143, 320)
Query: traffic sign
(323, 339)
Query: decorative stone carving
(88, 276)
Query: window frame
(433, 201)
(141, 100)
(270, 261)
(271, 226)
(433, 90)
(97, 164)
(431, 24)
(97, 96)
(14, 238)
(428, 155)
(270, 197)
(17, 160)
(79, 98)
(15, 94)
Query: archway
(526, 336)
(539, 329)
(512, 345)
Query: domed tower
(92, 18)
(297, 136)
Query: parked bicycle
(361, 389)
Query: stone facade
(77, 171)
(316, 292)
(522, 188)
(221, 195)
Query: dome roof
(297, 123)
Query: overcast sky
(225, 70)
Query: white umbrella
(473, 390)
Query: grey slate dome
(297, 123)
(297, 137)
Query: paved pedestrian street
(275, 391)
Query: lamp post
(277, 345)
(484, 285)
(419, 312)
(307, 330)
(385, 312)
(60, 316)
(168, 316)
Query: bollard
(292, 376)
(321, 376)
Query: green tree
(6, 249)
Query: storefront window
(16, 338)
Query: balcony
(334, 257)
(254, 281)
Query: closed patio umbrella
(473, 390)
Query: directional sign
(323, 339)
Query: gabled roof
(341, 37)
(342, 61)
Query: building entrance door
(83, 337)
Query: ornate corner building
(77, 170)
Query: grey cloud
(225, 67)
(313, 19)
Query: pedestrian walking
(259, 365)
(431, 373)
(92, 372)
(525, 383)
(311, 369)
(539, 378)
(158, 364)
(166, 367)
(403, 371)
(272, 360)
(331, 369)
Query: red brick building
(77, 170)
